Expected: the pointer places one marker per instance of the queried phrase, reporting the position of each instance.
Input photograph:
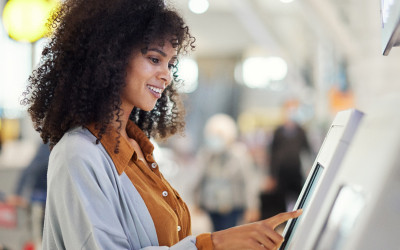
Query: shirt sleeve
(79, 208)
(201, 242)
(204, 242)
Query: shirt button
(179, 228)
(154, 165)
(165, 193)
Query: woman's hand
(258, 235)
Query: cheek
(131, 87)
(141, 73)
(144, 71)
(133, 78)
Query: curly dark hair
(83, 67)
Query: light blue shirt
(90, 206)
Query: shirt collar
(140, 137)
(126, 151)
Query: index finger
(282, 217)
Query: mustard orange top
(169, 212)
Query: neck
(124, 117)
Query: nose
(166, 75)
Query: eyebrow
(159, 51)
(162, 53)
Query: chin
(147, 108)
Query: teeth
(158, 90)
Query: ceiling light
(198, 6)
(25, 20)
(258, 72)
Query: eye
(154, 60)
(171, 65)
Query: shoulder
(76, 137)
(78, 149)
(77, 141)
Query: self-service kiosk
(322, 173)
(361, 206)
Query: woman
(227, 187)
(106, 84)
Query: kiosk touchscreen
(362, 207)
(322, 173)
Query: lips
(155, 90)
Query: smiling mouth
(155, 91)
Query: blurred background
(261, 62)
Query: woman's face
(148, 75)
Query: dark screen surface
(302, 202)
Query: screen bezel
(308, 190)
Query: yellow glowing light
(25, 20)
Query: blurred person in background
(289, 144)
(30, 191)
(32, 182)
(107, 83)
(228, 185)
